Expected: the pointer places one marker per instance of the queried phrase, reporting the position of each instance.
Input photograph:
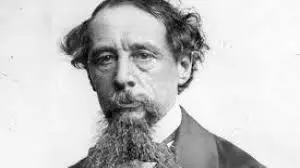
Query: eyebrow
(133, 47)
(145, 46)
(97, 51)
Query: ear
(184, 65)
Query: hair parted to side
(184, 33)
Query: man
(139, 55)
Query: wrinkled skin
(135, 76)
(131, 55)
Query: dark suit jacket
(195, 147)
(198, 148)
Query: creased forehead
(126, 13)
(129, 22)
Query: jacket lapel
(195, 147)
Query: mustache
(127, 100)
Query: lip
(129, 105)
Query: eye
(144, 59)
(105, 59)
(143, 56)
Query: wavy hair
(184, 33)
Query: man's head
(143, 49)
(139, 54)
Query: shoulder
(79, 164)
(227, 154)
(231, 156)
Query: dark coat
(195, 147)
(198, 148)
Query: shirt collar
(168, 124)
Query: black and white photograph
(149, 84)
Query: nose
(124, 77)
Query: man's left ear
(184, 65)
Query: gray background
(247, 90)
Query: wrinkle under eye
(144, 59)
(103, 55)
(105, 60)
(144, 56)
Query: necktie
(169, 141)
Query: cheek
(102, 82)
(168, 76)
(164, 85)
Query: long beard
(125, 141)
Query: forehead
(126, 20)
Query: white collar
(168, 124)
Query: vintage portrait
(150, 84)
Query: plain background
(247, 90)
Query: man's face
(130, 62)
